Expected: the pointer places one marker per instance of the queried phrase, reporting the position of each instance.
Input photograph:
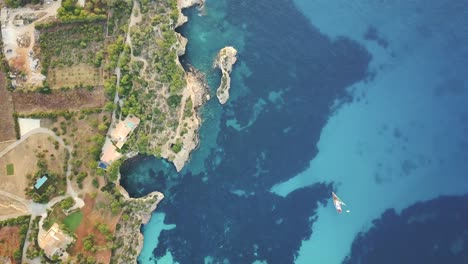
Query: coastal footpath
(224, 61)
(174, 143)
(144, 102)
(162, 94)
(194, 96)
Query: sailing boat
(337, 202)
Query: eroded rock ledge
(193, 97)
(224, 61)
(178, 149)
(138, 211)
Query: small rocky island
(224, 61)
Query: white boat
(338, 203)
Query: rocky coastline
(195, 92)
(141, 209)
(224, 61)
(138, 211)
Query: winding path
(37, 209)
(70, 191)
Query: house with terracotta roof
(116, 139)
(54, 242)
(109, 153)
(123, 129)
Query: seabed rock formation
(224, 61)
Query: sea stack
(224, 61)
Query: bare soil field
(95, 211)
(7, 129)
(18, 40)
(76, 99)
(24, 160)
(5, 144)
(9, 241)
(76, 75)
(9, 207)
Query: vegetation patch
(177, 147)
(7, 129)
(153, 90)
(77, 99)
(93, 10)
(12, 236)
(73, 220)
(55, 185)
(64, 45)
(67, 222)
(18, 3)
(76, 76)
(10, 169)
(33, 249)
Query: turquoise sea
(368, 99)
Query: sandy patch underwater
(402, 139)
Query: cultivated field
(71, 54)
(10, 241)
(24, 159)
(96, 211)
(76, 99)
(7, 128)
(71, 221)
(75, 76)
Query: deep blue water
(315, 108)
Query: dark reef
(432, 232)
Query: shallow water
(364, 98)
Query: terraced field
(7, 129)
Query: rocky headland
(224, 61)
(177, 145)
(138, 211)
(193, 96)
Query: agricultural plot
(9, 241)
(7, 129)
(96, 211)
(10, 169)
(12, 236)
(81, 75)
(73, 220)
(71, 54)
(76, 99)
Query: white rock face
(224, 61)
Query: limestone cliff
(186, 4)
(185, 139)
(194, 96)
(224, 61)
(138, 212)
